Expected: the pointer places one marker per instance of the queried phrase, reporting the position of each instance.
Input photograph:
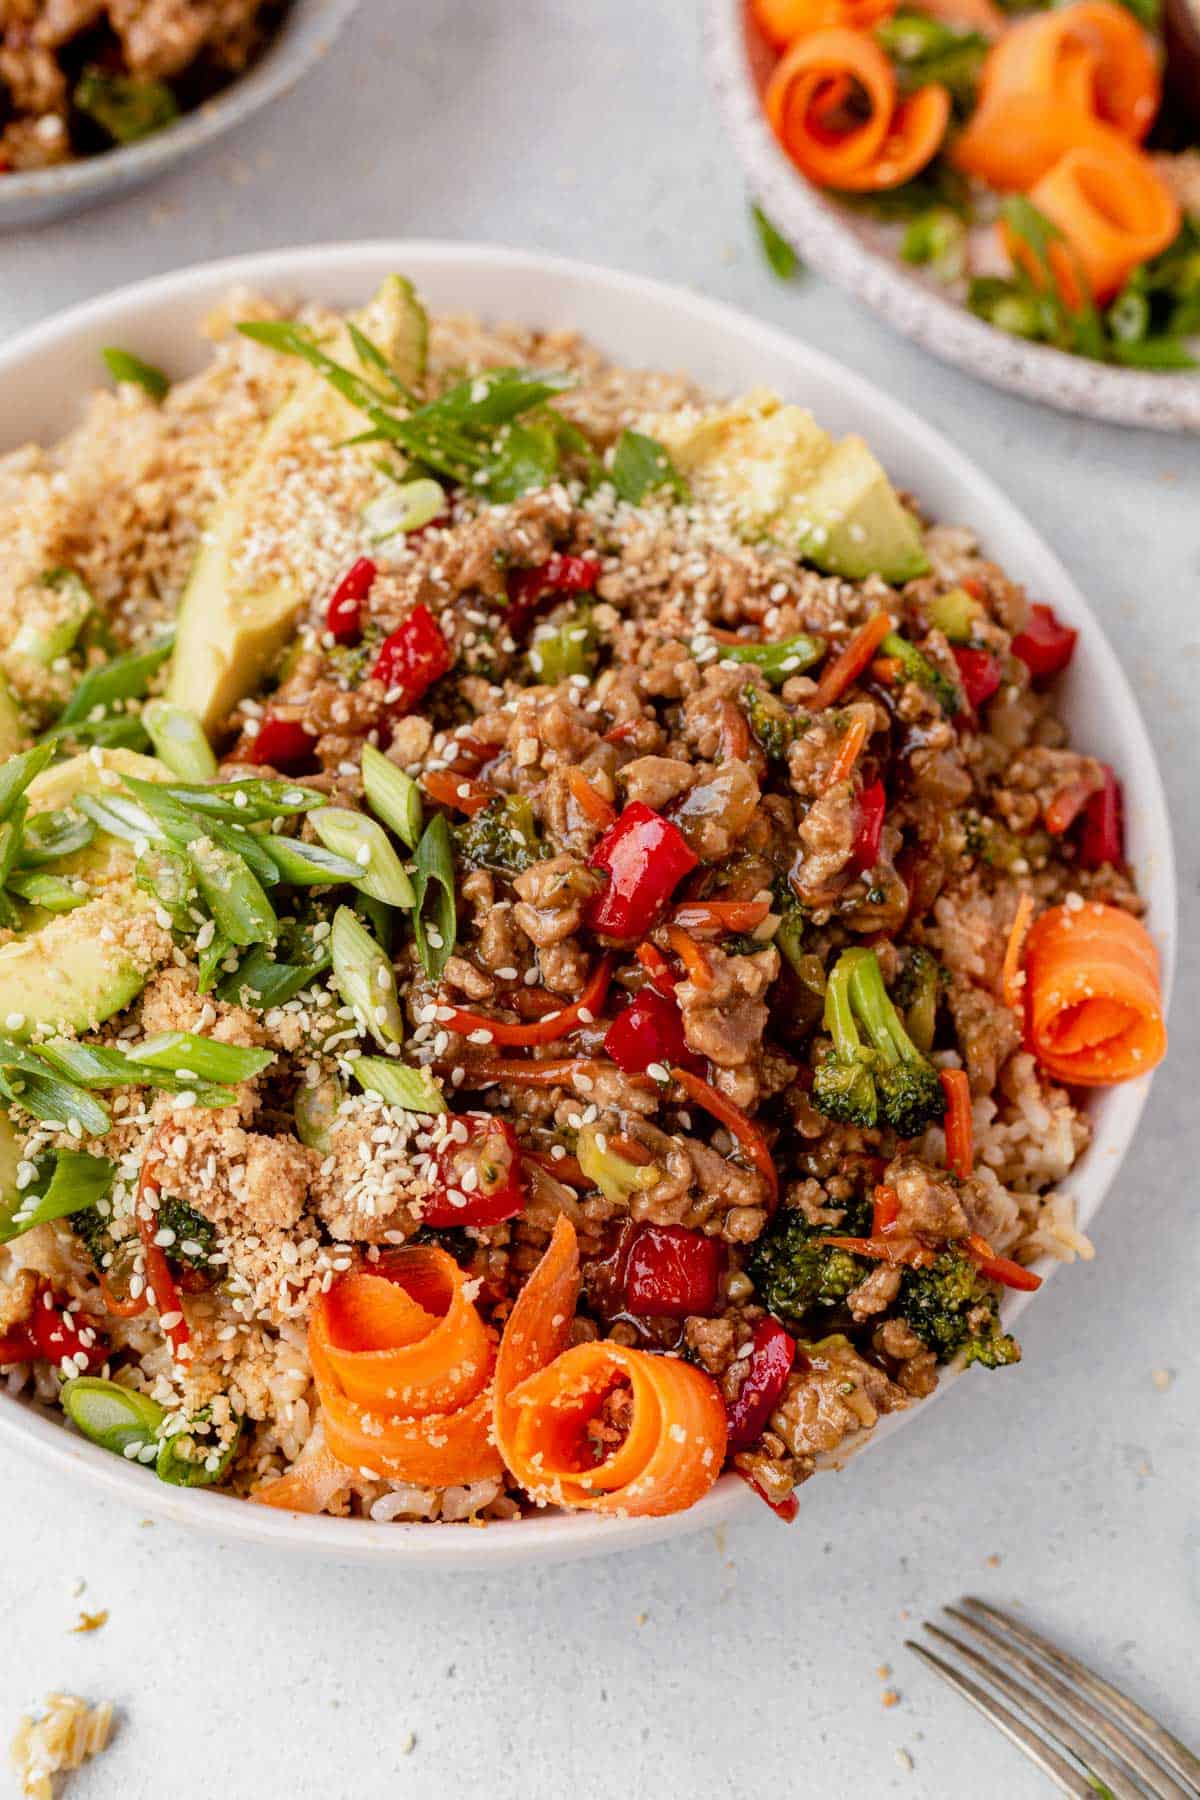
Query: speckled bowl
(40, 195)
(43, 376)
(846, 246)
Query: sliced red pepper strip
(283, 744)
(771, 1360)
(1001, 1268)
(594, 807)
(649, 1031)
(540, 1031)
(979, 673)
(1044, 644)
(533, 1072)
(886, 1210)
(167, 1303)
(714, 918)
(671, 1272)
(783, 1509)
(735, 1121)
(959, 1126)
(645, 857)
(489, 1159)
(870, 809)
(1102, 839)
(343, 615)
(57, 1333)
(411, 659)
(1065, 806)
(563, 1168)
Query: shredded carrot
(592, 805)
(959, 1126)
(736, 1122)
(547, 1395)
(886, 669)
(458, 791)
(832, 103)
(1012, 976)
(693, 956)
(713, 918)
(906, 1252)
(657, 968)
(1093, 1011)
(312, 1481)
(969, 15)
(546, 1030)
(402, 1363)
(552, 1072)
(849, 751)
(159, 1279)
(126, 1308)
(1001, 1268)
(563, 1168)
(720, 636)
(850, 661)
(735, 741)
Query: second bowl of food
(1018, 191)
(571, 944)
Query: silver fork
(1119, 1750)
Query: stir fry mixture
(1025, 159)
(82, 76)
(552, 935)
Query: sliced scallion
(183, 1460)
(435, 922)
(259, 980)
(403, 508)
(123, 365)
(233, 894)
(378, 870)
(68, 1182)
(120, 817)
(413, 1090)
(790, 656)
(44, 647)
(18, 772)
(115, 1417)
(39, 888)
(315, 1108)
(45, 1096)
(179, 741)
(392, 795)
(309, 865)
(365, 978)
(247, 801)
(49, 836)
(124, 678)
(187, 1050)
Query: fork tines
(1112, 1743)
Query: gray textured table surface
(753, 1664)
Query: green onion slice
(413, 1090)
(181, 1467)
(435, 921)
(315, 1108)
(309, 865)
(66, 1182)
(365, 978)
(404, 508)
(123, 365)
(115, 1417)
(179, 1051)
(392, 795)
(363, 842)
(790, 656)
(179, 741)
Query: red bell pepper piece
(670, 1272)
(649, 1030)
(646, 858)
(979, 673)
(477, 1178)
(1001, 1268)
(284, 744)
(343, 616)
(18, 1347)
(411, 659)
(868, 827)
(770, 1365)
(1045, 645)
(1102, 839)
(785, 1509)
(59, 1333)
(527, 588)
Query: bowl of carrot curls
(1017, 190)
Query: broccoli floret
(501, 836)
(793, 922)
(91, 1228)
(889, 1078)
(793, 1271)
(918, 992)
(770, 722)
(350, 664)
(844, 1082)
(195, 1236)
(919, 668)
(951, 1308)
(909, 1087)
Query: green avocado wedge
(73, 970)
(228, 633)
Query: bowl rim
(812, 224)
(304, 36)
(351, 267)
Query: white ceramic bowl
(34, 197)
(847, 246)
(44, 373)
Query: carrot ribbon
(833, 104)
(548, 1395)
(1094, 1012)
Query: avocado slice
(782, 476)
(226, 634)
(76, 969)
